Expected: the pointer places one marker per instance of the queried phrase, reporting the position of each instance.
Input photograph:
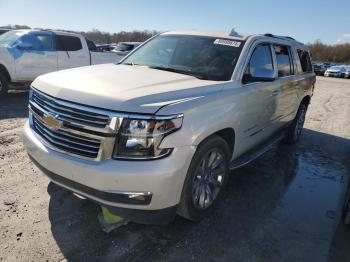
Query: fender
(204, 117)
(7, 64)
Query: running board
(252, 155)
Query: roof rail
(279, 36)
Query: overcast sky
(304, 20)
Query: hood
(334, 70)
(133, 89)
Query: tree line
(100, 37)
(107, 38)
(339, 53)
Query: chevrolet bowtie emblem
(52, 122)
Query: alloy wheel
(208, 179)
(300, 122)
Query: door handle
(275, 93)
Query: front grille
(67, 142)
(66, 113)
(81, 131)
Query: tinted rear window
(91, 45)
(68, 43)
(305, 61)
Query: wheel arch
(306, 100)
(4, 71)
(228, 134)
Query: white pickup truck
(26, 54)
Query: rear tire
(3, 85)
(295, 129)
(206, 179)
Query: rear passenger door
(71, 52)
(306, 75)
(287, 97)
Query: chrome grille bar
(67, 139)
(65, 146)
(82, 131)
(68, 114)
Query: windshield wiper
(174, 70)
(131, 64)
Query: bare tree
(333, 53)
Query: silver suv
(159, 133)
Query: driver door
(36, 56)
(260, 97)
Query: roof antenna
(234, 33)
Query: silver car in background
(335, 71)
(124, 48)
(347, 72)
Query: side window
(68, 43)
(284, 61)
(46, 41)
(260, 66)
(305, 61)
(91, 45)
(37, 41)
(261, 60)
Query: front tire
(206, 179)
(295, 129)
(3, 85)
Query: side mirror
(259, 75)
(25, 46)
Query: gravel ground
(285, 206)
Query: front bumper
(332, 74)
(129, 185)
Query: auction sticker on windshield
(227, 42)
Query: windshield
(203, 57)
(10, 37)
(335, 67)
(124, 47)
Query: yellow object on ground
(109, 218)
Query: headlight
(140, 138)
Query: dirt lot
(283, 207)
